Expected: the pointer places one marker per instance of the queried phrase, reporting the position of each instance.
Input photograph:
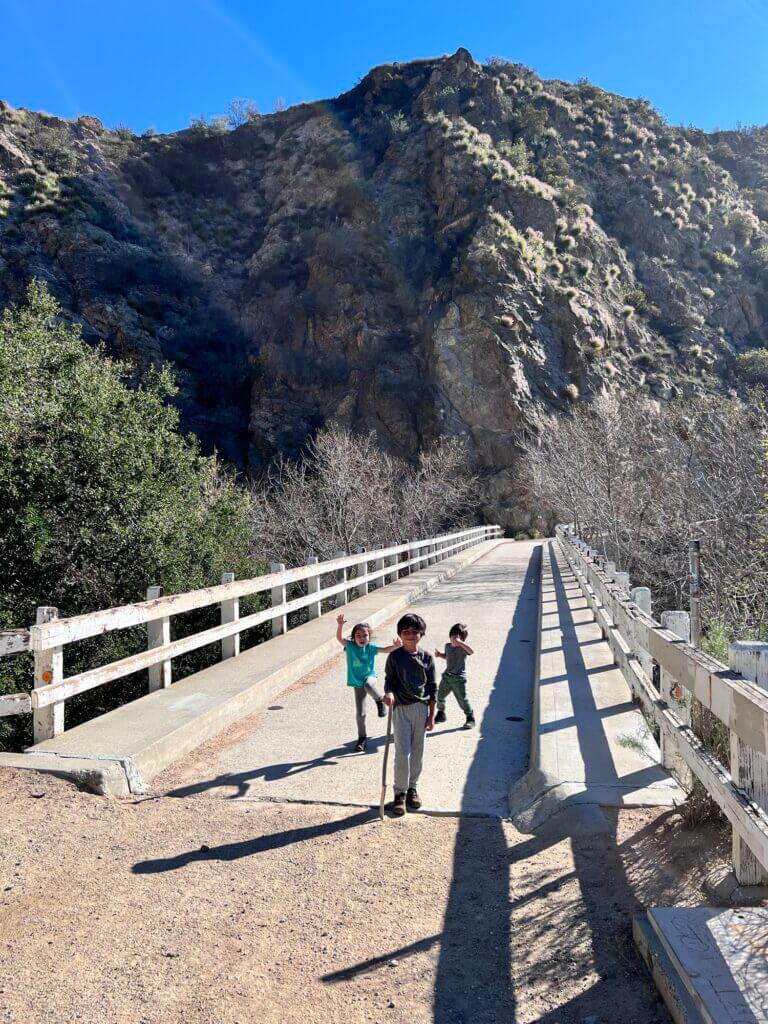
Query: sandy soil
(213, 910)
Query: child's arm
(431, 692)
(465, 647)
(340, 622)
(439, 654)
(389, 683)
(396, 642)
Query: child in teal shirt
(361, 670)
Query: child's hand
(341, 620)
(396, 642)
(430, 722)
(389, 699)
(438, 654)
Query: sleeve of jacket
(430, 687)
(389, 675)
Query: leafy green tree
(100, 495)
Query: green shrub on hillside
(753, 366)
(100, 495)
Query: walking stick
(384, 765)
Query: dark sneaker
(361, 744)
(440, 717)
(381, 709)
(470, 722)
(412, 800)
(398, 804)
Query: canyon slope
(448, 248)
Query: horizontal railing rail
(14, 641)
(740, 704)
(48, 638)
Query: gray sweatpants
(408, 728)
(361, 692)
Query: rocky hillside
(449, 247)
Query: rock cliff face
(447, 248)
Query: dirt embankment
(210, 910)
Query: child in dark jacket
(410, 690)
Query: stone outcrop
(449, 247)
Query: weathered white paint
(280, 622)
(741, 705)
(15, 704)
(48, 722)
(79, 627)
(341, 576)
(679, 623)
(361, 581)
(314, 608)
(13, 641)
(749, 769)
(158, 635)
(229, 611)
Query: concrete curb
(147, 735)
(105, 776)
(678, 1000)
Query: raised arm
(439, 654)
(396, 642)
(340, 623)
(465, 647)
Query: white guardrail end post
(314, 610)
(341, 577)
(158, 635)
(48, 722)
(230, 612)
(280, 622)
(362, 586)
(749, 769)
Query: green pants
(456, 685)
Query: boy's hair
(359, 625)
(412, 621)
(459, 630)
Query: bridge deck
(302, 749)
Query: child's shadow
(269, 773)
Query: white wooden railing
(50, 635)
(741, 790)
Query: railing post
(362, 587)
(621, 579)
(341, 577)
(48, 722)
(393, 577)
(158, 635)
(749, 768)
(314, 610)
(378, 565)
(642, 598)
(679, 623)
(229, 612)
(280, 622)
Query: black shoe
(440, 717)
(381, 709)
(398, 804)
(412, 800)
(470, 722)
(361, 744)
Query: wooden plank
(79, 627)
(15, 704)
(48, 722)
(13, 641)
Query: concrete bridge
(557, 682)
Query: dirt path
(215, 910)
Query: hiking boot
(470, 722)
(440, 717)
(412, 800)
(381, 709)
(398, 804)
(361, 744)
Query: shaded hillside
(449, 247)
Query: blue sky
(159, 63)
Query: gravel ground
(213, 910)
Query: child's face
(362, 637)
(410, 638)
